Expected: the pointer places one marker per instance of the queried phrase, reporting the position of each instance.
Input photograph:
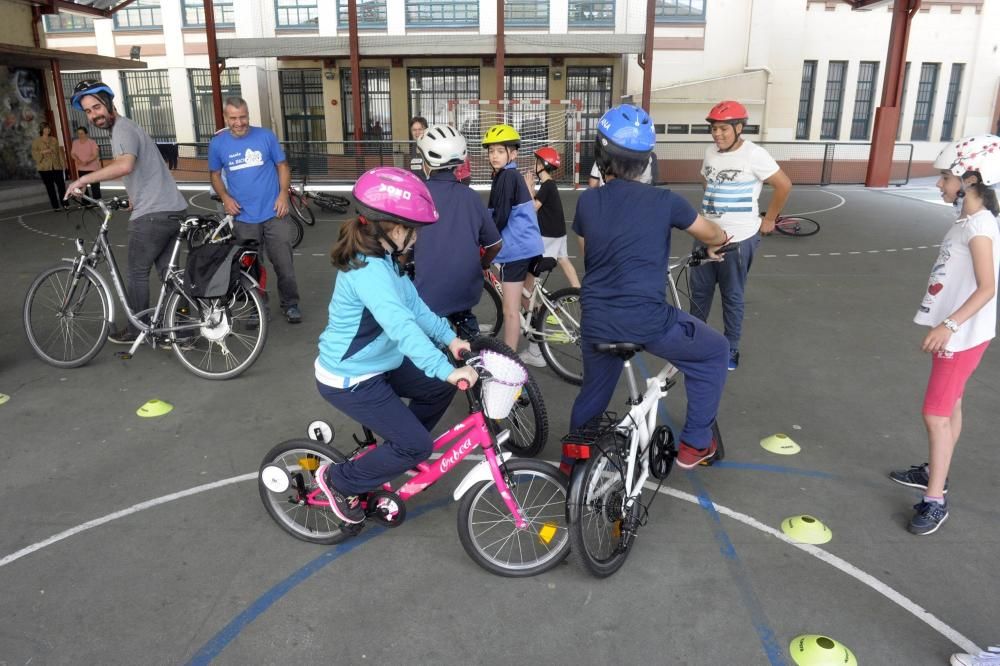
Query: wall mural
(21, 113)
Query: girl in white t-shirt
(960, 307)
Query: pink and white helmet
(395, 195)
(975, 153)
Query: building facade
(808, 70)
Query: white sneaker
(532, 356)
(989, 658)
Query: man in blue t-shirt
(255, 193)
(624, 230)
(448, 268)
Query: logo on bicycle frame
(455, 455)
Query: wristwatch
(951, 325)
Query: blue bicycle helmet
(89, 87)
(626, 130)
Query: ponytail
(357, 236)
(988, 196)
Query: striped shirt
(733, 182)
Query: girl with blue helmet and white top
(382, 343)
(624, 230)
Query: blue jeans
(731, 276)
(693, 347)
(405, 430)
(150, 241)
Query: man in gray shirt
(151, 190)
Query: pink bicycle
(512, 513)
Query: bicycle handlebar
(701, 254)
(114, 203)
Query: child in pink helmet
(382, 344)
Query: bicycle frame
(101, 249)
(463, 439)
(640, 422)
(537, 296)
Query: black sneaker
(929, 517)
(346, 507)
(915, 477)
(293, 315)
(734, 360)
(125, 337)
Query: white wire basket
(502, 387)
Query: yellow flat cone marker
(781, 444)
(816, 650)
(153, 408)
(4, 398)
(806, 529)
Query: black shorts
(515, 271)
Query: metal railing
(804, 163)
(341, 162)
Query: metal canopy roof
(17, 55)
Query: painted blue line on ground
(773, 650)
(780, 469)
(214, 647)
(769, 642)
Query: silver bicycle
(69, 308)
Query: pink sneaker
(346, 507)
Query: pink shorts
(949, 373)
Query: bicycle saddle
(541, 265)
(624, 350)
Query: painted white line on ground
(842, 565)
(213, 209)
(822, 210)
(135, 508)
(829, 558)
(149, 504)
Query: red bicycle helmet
(549, 157)
(728, 111)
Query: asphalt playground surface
(127, 540)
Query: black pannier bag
(212, 270)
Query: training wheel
(275, 479)
(320, 431)
(386, 508)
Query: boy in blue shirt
(513, 211)
(624, 230)
(448, 268)
(255, 193)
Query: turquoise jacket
(376, 319)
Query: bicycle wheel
(230, 332)
(794, 225)
(489, 312)
(66, 316)
(486, 526)
(287, 477)
(601, 530)
(560, 334)
(528, 421)
(300, 209)
(297, 230)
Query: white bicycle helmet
(975, 153)
(442, 147)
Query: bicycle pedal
(124, 356)
(353, 529)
